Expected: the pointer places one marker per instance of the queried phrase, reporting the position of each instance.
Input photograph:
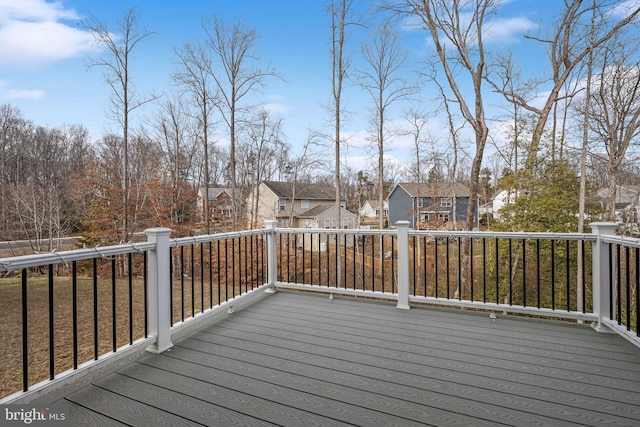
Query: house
(503, 198)
(429, 205)
(627, 202)
(220, 206)
(294, 203)
(324, 216)
(371, 209)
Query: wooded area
(559, 136)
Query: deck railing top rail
(65, 257)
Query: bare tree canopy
(568, 44)
(116, 65)
(237, 73)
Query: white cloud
(507, 30)
(624, 9)
(24, 94)
(275, 108)
(32, 34)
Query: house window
(282, 204)
(327, 223)
(345, 222)
(304, 204)
(446, 202)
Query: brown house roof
(435, 189)
(302, 191)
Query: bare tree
(116, 65)
(417, 121)
(175, 132)
(614, 112)
(340, 13)
(239, 75)
(194, 74)
(265, 145)
(456, 28)
(384, 82)
(568, 45)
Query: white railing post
(272, 261)
(403, 264)
(159, 283)
(601, 273)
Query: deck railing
(64, 312)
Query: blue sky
(44, 53)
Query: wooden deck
(296, 359)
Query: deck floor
(299, 359)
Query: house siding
(402, 206)
(269, 202)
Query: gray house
(430, 205)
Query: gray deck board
(299, 359)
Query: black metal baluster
(304, 263)
(584, 280)
(354, 258)
(497, 272)
(413, 268)
(448, 270)
(383, 260)
(210, 274)
(510, 271)
(524, 272)
(193, 280)
(424, 264)
(219, 273)
(618, 284)
(95, 308)
(568, 274)
(113, 306)
(364, 241)
(201, 277)
(254, 257)
(226, 270)
(459, 241)
(538, 270)
(611, 300)
(435, 263)
(247, 259)
(393, 257)
(25, 334)
(335, 261)
(553, 275)
(52, 370)
(146, 294)
(74, 311)
(320, 260)
(233, 267)
(471, 278)
(279, 251)
(295, 258)
(637, 291)
(130, 269)
(182, 282)
(484, 270)
(373, 264)
(628, 287)
(171, 285)
(288, 258)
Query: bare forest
(551, 140)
